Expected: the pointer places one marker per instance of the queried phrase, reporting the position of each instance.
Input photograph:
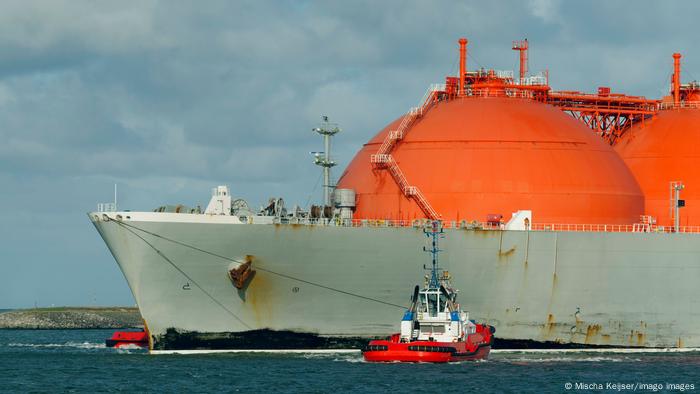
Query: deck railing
(106, 207)
(473, 225)
(681, 105)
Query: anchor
(240, 273)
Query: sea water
(78, 361)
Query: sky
(168, 99)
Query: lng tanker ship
(575, 218)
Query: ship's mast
(434, 233)
(323, 159)
(676, 203)
(522, 47)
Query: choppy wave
(350, 358)
(303, 352)
(129, 347)
(569, 359)
(599, 350)
(76, 345)
(506, 358)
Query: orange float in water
(661, 151)
(471, 157)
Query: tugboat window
(432, 305)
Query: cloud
(546, 10)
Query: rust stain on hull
(150, 337)
(292, 226)
(507, 253)
(549, 326)
(637, 338)
(258, 300)
(592, 332)
(255, 293)
(485, 233)
(641, 339)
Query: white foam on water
(271, 351)
(599, 350)
(130, 348)
(493, 351)
(481, 360)
(350, 360)
(567, 359)
(77, 345)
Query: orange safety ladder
(383, 159)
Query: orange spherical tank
(661, 151)
(472, 157)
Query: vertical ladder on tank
(383, 159)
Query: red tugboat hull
(423, 352)
(477, 347)
(128, 338)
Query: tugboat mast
(434, 233)
(323, 159)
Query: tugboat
(434, 328)
(128, 338)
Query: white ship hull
(595, 288)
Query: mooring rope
(257, 267)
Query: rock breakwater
(71, 318)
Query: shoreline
(66, 317)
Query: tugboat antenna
(434, 234)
